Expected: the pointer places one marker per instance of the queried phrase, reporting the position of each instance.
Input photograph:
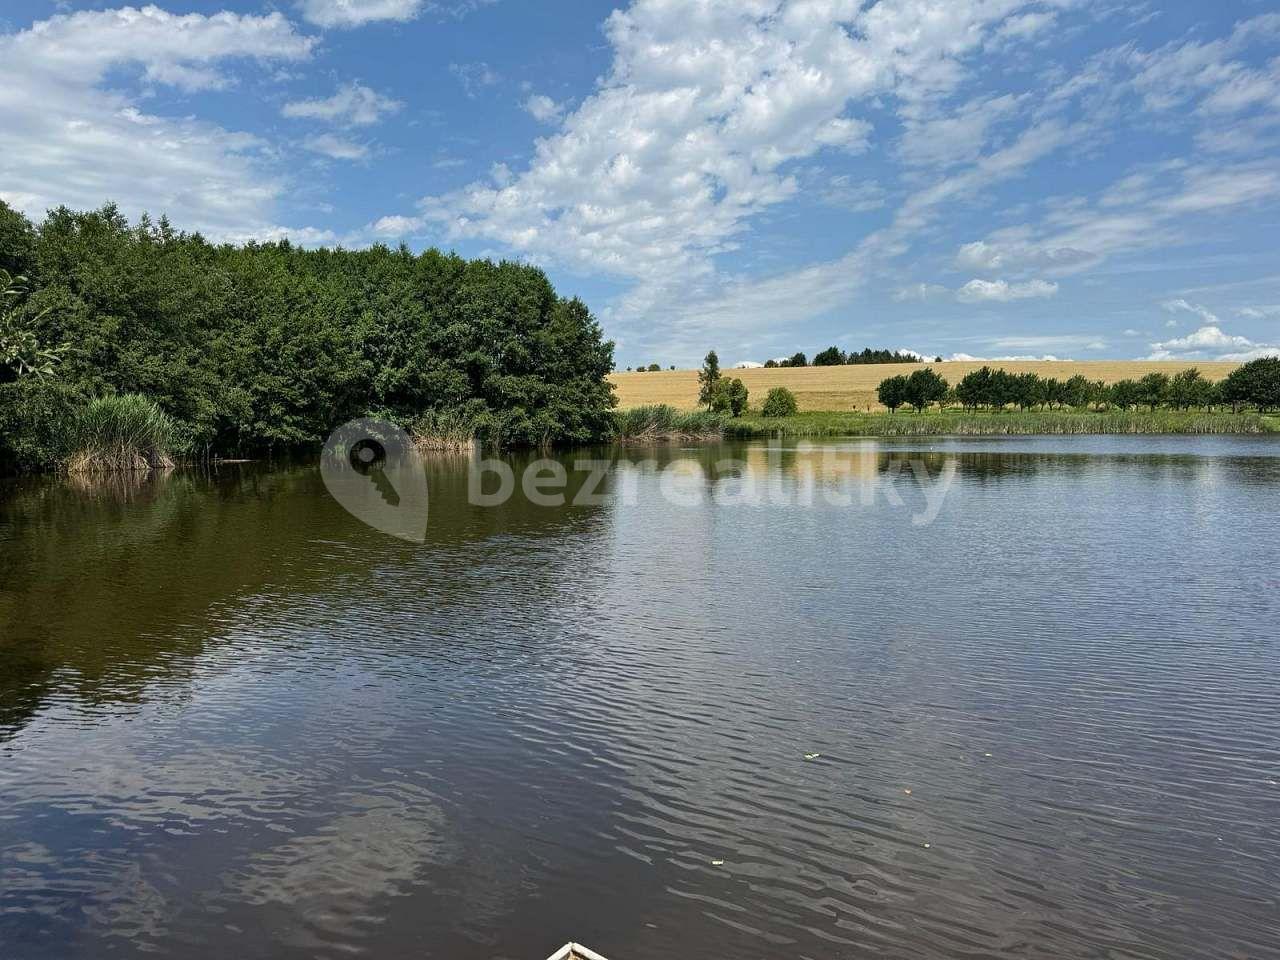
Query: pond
(918, 699)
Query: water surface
(236, 722)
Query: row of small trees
(1256, 383)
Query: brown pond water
(235, 722)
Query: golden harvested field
(853, 387)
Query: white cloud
(856, 196)
(354, 104)
(1260, 312)
(356, 13)
(1212, 341)
(920, 292)
(1183, 306)
(335, 147)
(1080, 234)
(543, 109)
(687, 139)
(68, 138)
(960, 137)
(397, 226)
(1002, 291)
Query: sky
(1080, 179)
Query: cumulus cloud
(1002, 291)
(353, 105)
(1212, 341)
(70, 138)
(543, 109)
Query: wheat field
(853, 387)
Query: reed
(120, 434)
(445, 431)
(660, 423)
(1009, 423)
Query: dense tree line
(268, 347)
(835, 357)
(1255, 384)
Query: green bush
(780, 402)
(37, 424)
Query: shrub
(121, 434)
(780, 402)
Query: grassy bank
(1010, 423)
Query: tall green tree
(709, 380)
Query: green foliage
(17, 242)
(121, 433)
(736, 394)
(1153, 388)
(709, 380)
(830, 357)
(797, 359)
(780, 402)
(728, 396)
(1125, 394)
(654, 367)
(37, 423)
(663, 422)
(892, 392)
(21, 354)
(882, 356)
(1188, 389)
(925, 387)
(1256, 383)
(269, 347)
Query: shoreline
(988, 424)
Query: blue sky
(985, 178)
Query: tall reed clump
(660, 422)
(446, 431)
(121, 434)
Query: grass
(661, 422)
(853, 387)
(445, 431)
(1009, 423)
(121, 434)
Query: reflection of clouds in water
(330, 877)
(107, 888)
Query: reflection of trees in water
(101, 583)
